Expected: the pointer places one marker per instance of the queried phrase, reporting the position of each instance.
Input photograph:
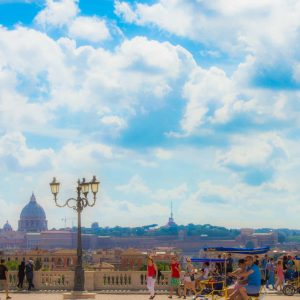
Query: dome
(33, 217)
(7, 227)
(33, 210)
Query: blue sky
(195, 102)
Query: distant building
(52, 260)
(10, 239)
(249, 236)
(7, 227)
(95, 225)
(165, 254)
(133, 259)
(52, 239)
(110, 256)
(33, 217)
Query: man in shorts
(4, 277)
(253, 277)
(175, 277)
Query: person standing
(151, 276)
(189, 278)
(175, 277)
(21, 274)
(290, 268)
(4, 277)
(229, 264)
(29, 274)
(284, 262)
(280, 276)
(264, 270)
(270, 273)
(220, 266)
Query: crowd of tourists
(247, 277)
(25, 270)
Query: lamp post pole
(78, 204)
(79, 271)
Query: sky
(191, 101)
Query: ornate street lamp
(78, 204)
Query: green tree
(281, 237)
(12, 265)
(38, 264)
(249, 244)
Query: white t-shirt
(206, 273)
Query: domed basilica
(33, 217)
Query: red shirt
(151, 271)
(175, 270)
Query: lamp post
(78, 204)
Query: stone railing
(48, 280)
(94, 280)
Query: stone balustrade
(94, 280)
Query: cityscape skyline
(203, 111)
(71, 223)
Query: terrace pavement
(58, 296)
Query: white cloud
(135, 185)
(47, 84)
(210, 94)
(238, 205)
(161, 14)
(256, 23)
(123, 9)
(15, 153)
(64, 14)
(253, 150)
(114, 121)
(118, 212)
(147, 164)
(86, 153)
(89, 29)
(256, 159)
(57, 13)
(141, 72)
(177, 193)
(163, 154)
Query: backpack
(29, 268)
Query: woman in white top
(189, 278)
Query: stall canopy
(252, 251)
(203, 260)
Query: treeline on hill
(205, 231)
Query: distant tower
(171, 222)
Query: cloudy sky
(194, 101)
